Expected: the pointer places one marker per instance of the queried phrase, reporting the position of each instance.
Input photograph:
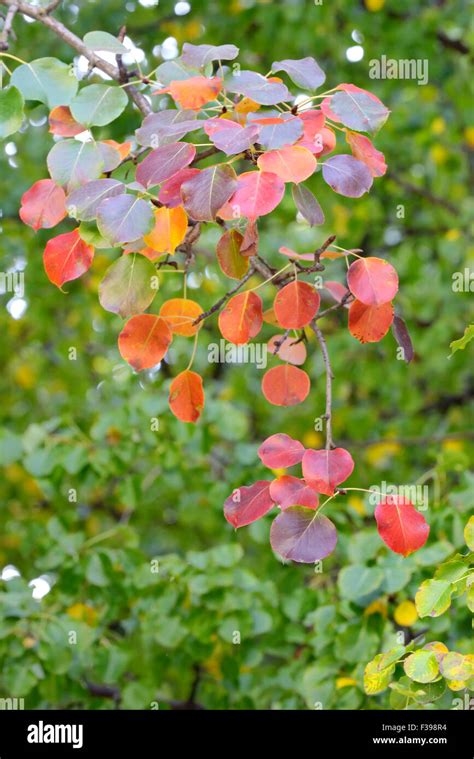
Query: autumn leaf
(180, 313)
(169, 231)
(144, 340)
(285, 385)
(372, 280)
(242, 318)
(67, 257)
(186, 398)
(296, 305)
(324, 470)
(402, 528)
(43, 205)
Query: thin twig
(224, 298)
(329, 379)
(7, 26)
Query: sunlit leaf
(433, 598)
(180, 313)
(277, 131)
(169, 230)
(291, 350)
(372, 280)
(144, 341)
(241, 319)
(67, 257)
(421, 666)
(296, 304)
(358, 110)
(257, 194)
(195, 92)
(11, 111)
(369, 324)
(285, 385)
(170, 192)
(186, 398)
(292, 164)
(364, 150)
(43, 205)
(62, 123)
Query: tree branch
(224, 298)
(329, 379)
(7, 26)
(61, 31)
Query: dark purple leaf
(124, 219)
(357, 110)
(347, 176)
(199, 56)
(302, 535)
(402, 336)
(307, 205)
(258, 88)
(163, 162)
(304, 72)
(247, 504)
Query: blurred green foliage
(167, 602)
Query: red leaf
(402, 528)
(369, 324)
(67, 257)
(170, 193)
(144, 341)
(285, 385)
(280, 451)
(257, 194)
(372, 280)
(325, 470)
(303, 535)
(186, 398)
(289, 491)
(43, 205)
(164, 162)
(296, 305)
(242, 318)
(247, 504)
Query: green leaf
(455, 666)
(377, 675)
(460, 344)
(433, 598)
(421, 666)
(98, 104)
(104, 41)
(74, 163)
(46, 79)
(357, 581)
(469, 533)
(11, 111)
(126, 288)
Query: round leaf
(285, 385)
(98, 104)
(186, 398)
(144, 341)
(302, 535)
(126, 288)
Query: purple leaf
(347, 176)
(83, 203)
(234, 139)
(124, 219)
(166, 126)
(302, 535)
(304, 72)
(357, 110)
(247, 504)
(199, 56)
(258, 88)
(307, 205)
(163, 162)
(402, 336)
(204, 194)
(285, 130)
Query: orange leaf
(369, 324)
(292, 164)
(62, 122)
(122, 148)
(242, 318)
(295, 305)
(186, 397)
(180, 314)
(144, 341)
(285, 385)
(43, 205)
(194, 92)
(67, 257)
(169, 230)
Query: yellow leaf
(343, 682)
(405, 614)
(83, 613)
(379, 606)
(169, 230)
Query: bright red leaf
(402, 528)
(43, 205)
(280, 451)
(67, 257)
(289, 491)
(296, 305)
(247, 504)
(257, 194)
